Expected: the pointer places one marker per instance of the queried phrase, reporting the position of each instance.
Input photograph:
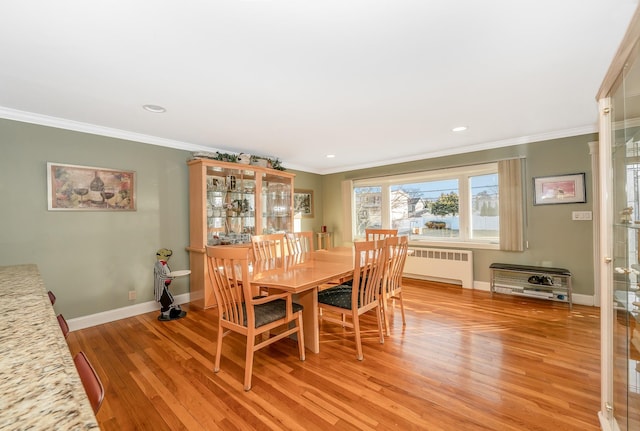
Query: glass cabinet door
(230, 205)
(625, 180)
(276, 204)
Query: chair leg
(356, 328)
(385, 315)
(301, 338)
(248, 367)
(404, 322)
(216, 366)
(380, 332)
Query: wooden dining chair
(375, 234)
(268, 246)
(362, 295)
(299, 242)
(397, 249)
(90, 380)
(249, 316)
(64, 327)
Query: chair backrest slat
(299, 242)
(268, 246)
(228, 266)
(368, 271)
(376, 234)
(397, 250)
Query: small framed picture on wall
(559, 189)
(303, 203)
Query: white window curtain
(511, 204)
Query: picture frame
(303, 202)
(89, 188)
(559, 189)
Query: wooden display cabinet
(228, 203)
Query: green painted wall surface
(91, 260)
(554, 239)
(307, 181)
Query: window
(458, 205)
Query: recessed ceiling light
(331, 156)
(459, 129)
(156, 109)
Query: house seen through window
(453, 205)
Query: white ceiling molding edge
(61, 123)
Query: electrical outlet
(132, 295)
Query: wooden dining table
(302, 274)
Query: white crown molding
(61, 123)
(576, 131)
(77, 126)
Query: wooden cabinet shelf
(228, 203)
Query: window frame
(461, 173)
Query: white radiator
(440, 264)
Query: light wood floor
(465, 361)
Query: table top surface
(297, 273)
(39, 385)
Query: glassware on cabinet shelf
(222, 213)
(276, 203)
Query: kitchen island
(40, 388)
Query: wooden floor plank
(465, 360)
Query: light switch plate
(581, 215)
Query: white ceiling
(371, 81)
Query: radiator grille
(440, 264)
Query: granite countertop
(39, 385)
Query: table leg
(309, 300)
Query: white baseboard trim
(604, 423)
(121, 313)
(482, 285)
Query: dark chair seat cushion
(338, 296)
(271, 311)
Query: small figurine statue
(162, 280)
(625, 215)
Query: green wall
(554, 239)
(91, 260)
(307, 181)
